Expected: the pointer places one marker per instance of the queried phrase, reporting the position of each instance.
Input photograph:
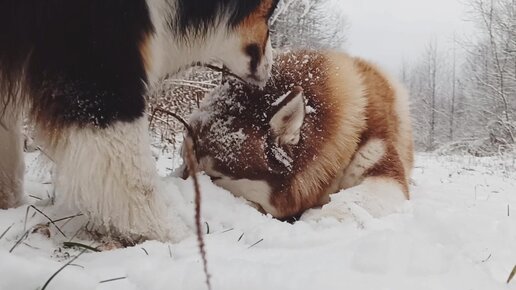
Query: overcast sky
(390, 31)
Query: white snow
(282, 157)
(457, 232)
(281, 98)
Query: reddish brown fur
(354, 103)
(383, 123)
(254, 28)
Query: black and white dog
(82, 67)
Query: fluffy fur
(355, 130)
(82, 69)
(11, 159)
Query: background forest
(463, 95)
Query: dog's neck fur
(192, 46)
(343, 121)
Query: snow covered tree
(490, 73)
(430, 83)
(470, 98)
(308, 24)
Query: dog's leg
(12, 165)
(109, 174)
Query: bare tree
(468, 96)
(308, 24)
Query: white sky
(391, 31)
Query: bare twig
(192, 168)
(145, 251)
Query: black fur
(80, 60)
(199, 15)
(253, 50)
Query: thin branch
(192, 168)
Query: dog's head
(234, 32)
(248, 144)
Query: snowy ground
(458, 232)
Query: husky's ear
(288, 118)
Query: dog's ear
(288, 118)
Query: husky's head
(251, 144)
(233, 32)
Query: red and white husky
(323, 123)
(82, 68)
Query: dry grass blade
(61, 269)
(5, 232)
(18, 242)
(68, 217)
(513, 273)
(79, 245)
(47, 217)
(255, 243)
(112, 280)
(192, 168)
